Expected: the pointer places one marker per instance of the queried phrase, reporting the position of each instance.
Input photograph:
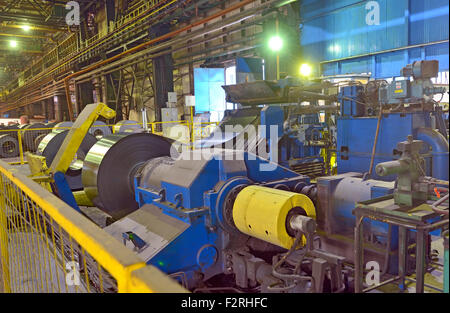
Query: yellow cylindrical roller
(261, 212)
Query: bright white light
(305, 70)
(13, 44)
(275, 43)
(26, 28)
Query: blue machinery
(209, 207)
(404, 108)
(197, 211)
(230, 219)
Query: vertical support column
(51, 109)
(44, 109)
(98, 90)
(111, 85)
(163, 80)
(112, 93)
(162, 73)
(402, 255)
(61, 111)
(420, 260)
(110, 13)
(271, 67)
(359, 253)
(85, 94)
(29, 110)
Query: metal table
(412, 218)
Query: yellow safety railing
(14, 143)
(48, 247)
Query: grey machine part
(111, 165)
(9, 146)
(243, 120)
(151, 225)
(49, 146)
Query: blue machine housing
(356, 134)
(356, 138)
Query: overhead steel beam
(33, 27)
(24, 36)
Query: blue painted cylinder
(352, 190)
(440, 151)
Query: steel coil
(110, 166)
(38, 139)
(49, 147)
(61, 127)
(50, 125)
(9, 147)
(11, 131)
(99, 129)
(126, 127)
(30, 133)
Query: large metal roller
(267, 214)
(110, 167)
(49, 146)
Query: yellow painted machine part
(82, 199)
(39, 170)
(76, 135)
(261, 212)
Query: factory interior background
(234, 147)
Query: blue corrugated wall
(336, 37)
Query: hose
(438, 202)
(374, 148)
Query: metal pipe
(440, 151)
(440, 201)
